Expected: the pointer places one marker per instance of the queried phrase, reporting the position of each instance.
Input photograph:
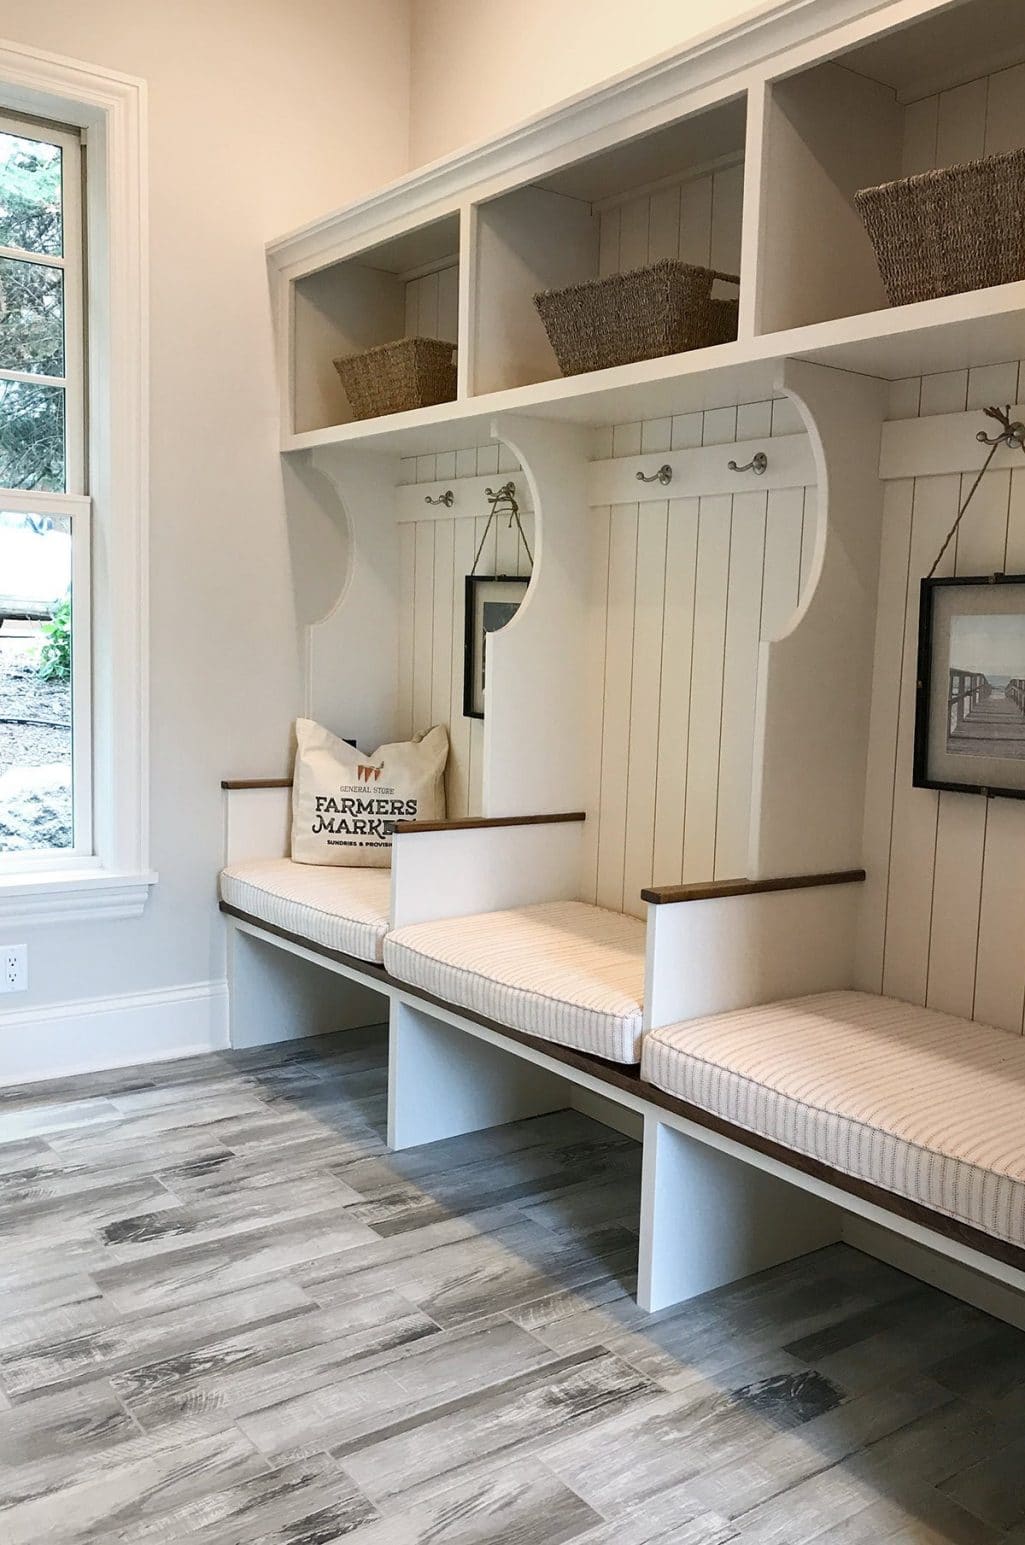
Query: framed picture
(970, 712)
(492, 600)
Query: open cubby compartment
(407, 285)
(946, 89)
(676, 192)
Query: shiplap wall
(681, 592)
(944, 914)
(980, 118)
(432, 305)
(435, 557)
(698, 221)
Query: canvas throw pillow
(345, 805)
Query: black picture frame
(475, 629)
(952, 743)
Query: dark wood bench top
(475, 823)
(256, 783)
(664, 895)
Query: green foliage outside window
(55, 654)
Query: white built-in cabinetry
(693, 663)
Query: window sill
(72, 893)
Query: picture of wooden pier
(986, 699)
(987, 715)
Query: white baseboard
(995, 1298)
(87, 1036)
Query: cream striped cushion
(565, 971)
(343, 909)
(924, 1104)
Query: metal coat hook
(503, 502)
(759, 465)
(448, 498)
(664, 475)
(1011, 435)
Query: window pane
(35, 683)
(31, 436)
(31, 318)
(30, 195)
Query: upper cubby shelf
(742, 154)
(676, 192)
(947, 89)
(407, 285)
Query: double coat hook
(758, 464)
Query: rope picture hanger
(503, 502)
(1011, 435)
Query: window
(45, 741)
(74, 426)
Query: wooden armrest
(662, 895)
(474, 823)
(256, 783)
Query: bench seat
(925, 1105)
(564, 971)
(341, 909)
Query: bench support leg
(276, 996)
(443, 1082)
(708, 1219)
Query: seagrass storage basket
(410, 373)
(945, 232)
(665, 309)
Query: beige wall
(263, 114)
(480, 66)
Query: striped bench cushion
(342, 909)
(925, 1105)
(564, 971)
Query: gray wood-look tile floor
(228, 1315)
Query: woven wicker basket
(665, 309)
(945, 232)
(412, 373)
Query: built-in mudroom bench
(698, 874)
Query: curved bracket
(814, 682)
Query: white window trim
(111, 110)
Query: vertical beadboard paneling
(432, 305)
(913, 825)
(944, 913)
(598, 570)
(645, 696)
(982, 117)
(1000, 965)
(961, 827)
(740, 669)
(698, 220)
(680, 592)
(407, 583)
(674, 694)
(715, 520)
(615, 750)
(436, 555)
(458, 791)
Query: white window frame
(113, 879)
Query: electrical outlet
(14, 972)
